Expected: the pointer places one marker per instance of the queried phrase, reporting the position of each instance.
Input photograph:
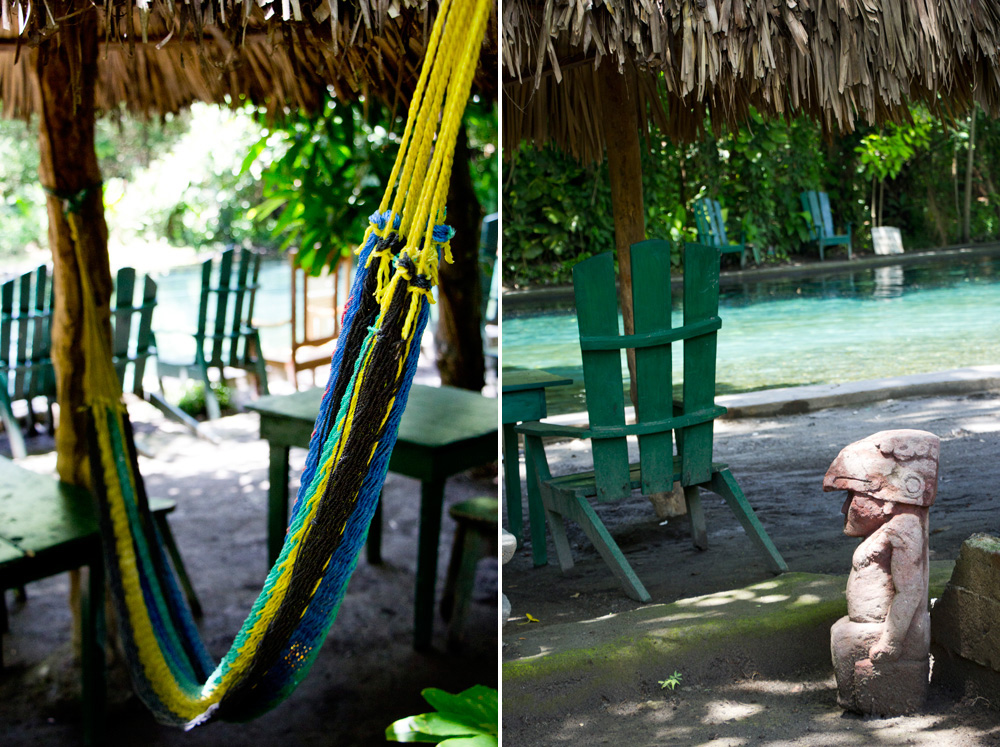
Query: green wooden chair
(821, 230)
(25, 350)
(658, 416)
(712, 231)
(225, 335)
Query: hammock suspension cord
(371, 373)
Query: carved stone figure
(881, 649)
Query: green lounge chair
(821, 230)
(658, 416)
(712, 231)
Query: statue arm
(906, 569)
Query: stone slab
(978, 566)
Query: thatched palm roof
(278, 53)
(841, 61)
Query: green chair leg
(10, 424)
(212, 409)
(699, 534)
(475, 538)
(512, 480)
(537, 471)
(580, 510)
(175, 556)
(724, 484)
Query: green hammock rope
(371, 373)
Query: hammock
(371, 373)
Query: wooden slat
(720, 225)
(651, 306)
(825, 214)
(701, 301)
(42, 376)
(121, 319)
(817, 216)
(144, 338)
(22, 355)
(221, 306)
(597, 314)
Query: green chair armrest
(551, 430)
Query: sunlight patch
(727, 710)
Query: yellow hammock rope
(416, 197)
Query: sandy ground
(367, 674)
(780, 463)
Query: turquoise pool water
(869, 324)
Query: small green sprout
(672, 681)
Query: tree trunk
(967, 212)
(459, 337)
(66, 66)
(621, 136)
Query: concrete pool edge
(520, 298)
(802, 399)
(619, 655)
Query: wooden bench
(49, 527)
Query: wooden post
(66, 68)
(621, 136)
(459, 337)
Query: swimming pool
(866, 324)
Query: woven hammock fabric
(371, 373)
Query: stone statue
(881, 649)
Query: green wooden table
(444, 431)
(48, 527)
(523, 399)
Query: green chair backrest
(132, 339)
(26, 335)
(26, 332)
(489, 267)
(711, 226)
(817, 205)
(602, 343)
(228, 293)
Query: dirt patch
(366, 675)
(779, 462)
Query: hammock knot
(72, 202)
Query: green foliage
(192, 193)
(192, 401)
(324, 174)
(481, 126)
(324, 177)
(556, 213)
(23, 221)
(468, 719)
(884, 152)
(671, 682)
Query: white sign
(887, 240)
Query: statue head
(885, 469)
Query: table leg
(277, 501)
(92, 655)
(431, 503)
(512, 481)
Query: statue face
(864, 514)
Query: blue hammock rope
(371, 374)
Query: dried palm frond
(839, 61)
(159, 56)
